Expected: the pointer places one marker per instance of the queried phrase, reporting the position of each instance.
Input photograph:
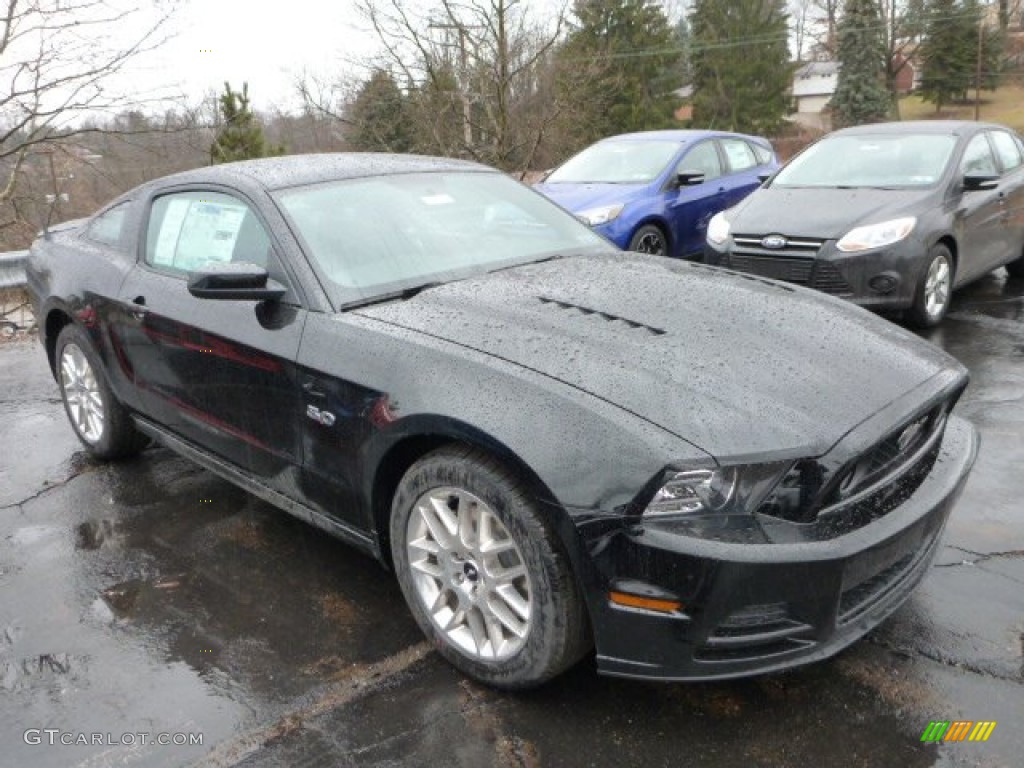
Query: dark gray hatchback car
(892, 216)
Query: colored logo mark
(958, 730)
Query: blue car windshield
(374, 237)
(864, 160)
(616, 162)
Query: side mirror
(234, 280)
(689, 178)
(977, 181)
(763, 177)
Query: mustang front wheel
(482, 572)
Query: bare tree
(57, 61)
(472, 71)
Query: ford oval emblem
(774, 242)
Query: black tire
(650, 238)
(116, 436)
(929, 308)
(1016, 268)
(556, 634)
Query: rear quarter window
(108, 227)
(739, 154)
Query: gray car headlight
(730, 490)
(718, 229)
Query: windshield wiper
(401, 295)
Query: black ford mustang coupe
(555, 445)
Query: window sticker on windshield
(439, 199)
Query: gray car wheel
(934, 289)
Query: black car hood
(736, 365)
(824, 213)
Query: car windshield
(883, 160)
(373, 237)
(617, 162)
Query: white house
(813, 86)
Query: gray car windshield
(375, 237)
(884, 160)
(617, 162)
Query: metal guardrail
(12, 269)
(15, 312)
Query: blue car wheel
(649, 239)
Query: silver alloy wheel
(82, 393)
(469, 574)
(937, 286)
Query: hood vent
(623, 323)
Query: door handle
(312, 388)
(139, 311)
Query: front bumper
(754, 608)
(883, 278)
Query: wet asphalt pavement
(151, 597)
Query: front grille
(803, 246)
(886, 498)
(791, 270)
(865, 488)
(820, 275)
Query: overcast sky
(266, 45)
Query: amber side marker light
(647, 603)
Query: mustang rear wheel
(99, 420)
(482, 571)
(934, 290)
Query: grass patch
(1004, 105)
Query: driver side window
(189, 229)
(978, 158)
(703, 158)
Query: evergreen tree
(861, 95)
(240, 135)
(950, 51)
(633, 57)
(740, 86)
(379, 116)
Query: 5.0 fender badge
(319, 416)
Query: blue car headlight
(602, 215)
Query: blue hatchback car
(655, 191)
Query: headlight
(602, 215)
(718, 229)
(721, 491)
(876, 235)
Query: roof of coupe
(297, 170)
